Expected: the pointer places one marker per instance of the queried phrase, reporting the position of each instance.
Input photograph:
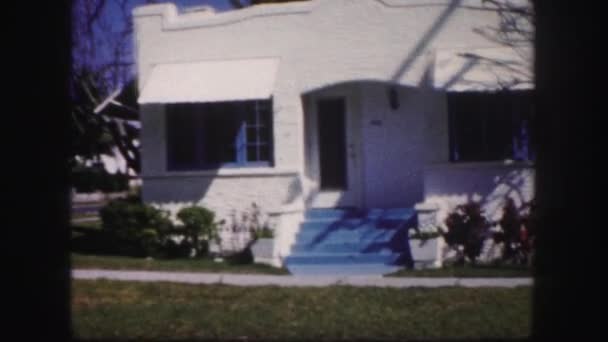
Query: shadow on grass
(244, 257)
(91, 240)
(95, 248)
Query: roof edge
(173, 20)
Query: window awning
(483, 69)
(211, 81)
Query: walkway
(292, 281)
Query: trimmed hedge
(199, 227)
(138, 224)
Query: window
(490, 126)
(211, 135)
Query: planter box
(265, 252)
(427, 253)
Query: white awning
(486, 69)
(211, 81)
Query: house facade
(331, 103)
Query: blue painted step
(331, 214)
(351, 247)
(343, 258)
(363, 236)
(343, 270)
(351, 241)
(353, 213)
(353, 223)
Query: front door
(336, 134)
(331, 125)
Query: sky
(113, 16)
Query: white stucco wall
(223, 190)
(223, 194)
(390, 147)
(320, 43)
(397, 144)
(449, 185)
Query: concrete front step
(363, 237)
(350, 241)
(331, 214)
(386, 257)
(343, 270)
(353, 213)
(353, 223)
(349, 247)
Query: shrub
(243, 257)
(249, 221)
(263, 233)
(198, 222)
(135, 222)
(467, 230)
(517, 232)
(172, 249)
(113, 182)
(258, 229)
(150, 241)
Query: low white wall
(427, 253)
(274, 251)
(449, 185)
(288, 224)
(489, 183)
(222, 194)
(230, 197)
(97, 196)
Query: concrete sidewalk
(296, 281)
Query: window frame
(516, 100)
(240, 141)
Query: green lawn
(85, 226)
(79, 229)
(111, 309)
(84, 215)
(467, 271)
(208, 265)
(198, 265)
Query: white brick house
(328, 103)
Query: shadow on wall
(451, 187)
(173, 193)
(414, 54)
(425, 40)
(513, 185)
(295, 191)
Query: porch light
(393, 98)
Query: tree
(516, 26)
(102, 87)
(515, 30)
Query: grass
(467, 271)
(79, 219)
(111, 309)
(84, 225)
(79, 229)
(82, 261)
